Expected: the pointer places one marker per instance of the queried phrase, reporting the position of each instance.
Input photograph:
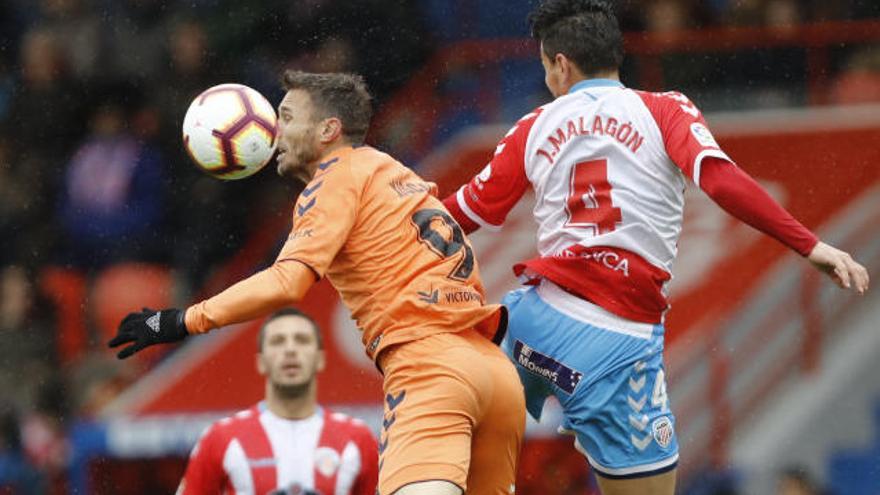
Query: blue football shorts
(606, 372)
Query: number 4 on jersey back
(589, 198)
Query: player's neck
(328, 151)
(613, 75)
(300, 407)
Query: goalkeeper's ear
(329, 130)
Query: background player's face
(290, 357)
(298, 142)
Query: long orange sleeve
(282, 284)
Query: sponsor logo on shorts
(663, 431)
(546, 367)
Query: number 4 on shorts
(659, 397)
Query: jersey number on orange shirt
(432, 224)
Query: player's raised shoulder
(217, 434)
(226, 424)
(669, 102)
(520, 130)
(342, 420)
(533, 114)
(245, 413)
(360, 163)
(339, 417)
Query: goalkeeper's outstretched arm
(284, 283)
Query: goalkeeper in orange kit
(454, 407)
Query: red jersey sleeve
(368, 478)
(686, 136)
(738, 194)
(692, 148)
(486, 200)
(204, 471)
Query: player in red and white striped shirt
(287, 443)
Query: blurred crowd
(93, 177)
(767, 77)
(671, 15)
(98, 200)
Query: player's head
(796, 480)
(290, 352)
(319, 112)
(579, 39)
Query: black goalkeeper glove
(148, 328)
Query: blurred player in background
(287, 443)
(454, 408)
(608, 166)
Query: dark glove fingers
(121, 338)
(132, 317)
(128, 351)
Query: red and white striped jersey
(257, 452)
(608, 166)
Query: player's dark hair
(801, 476)
(585, 31)
(339, 95)
(261, 335)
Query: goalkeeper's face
(291, 356)
(298, 143)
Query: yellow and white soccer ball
(229, 131)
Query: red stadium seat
(66, 288)
(128, 287)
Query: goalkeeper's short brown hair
(340, 95)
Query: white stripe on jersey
(348, 469)
(235, 463)
(294, 444)
(698, 162)
(472, 214)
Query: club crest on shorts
(326, 461)
(663, 431)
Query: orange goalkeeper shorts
(454, 411)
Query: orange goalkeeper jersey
(396, 256)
